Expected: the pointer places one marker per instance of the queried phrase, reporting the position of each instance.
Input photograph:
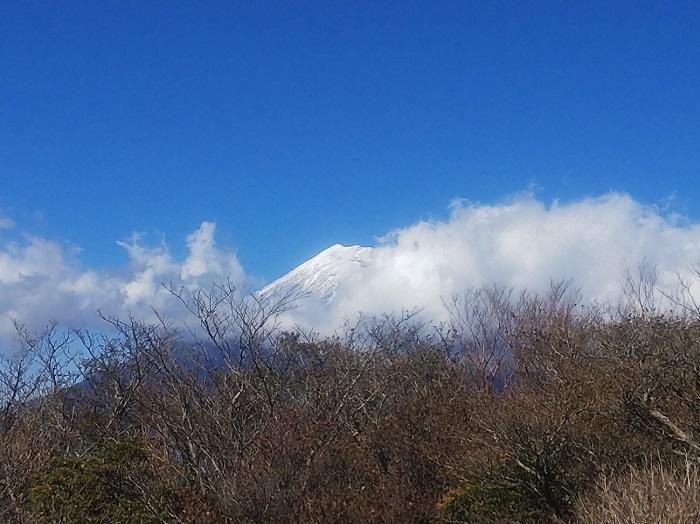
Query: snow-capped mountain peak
(319, 276)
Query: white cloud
(522, 242)
(519, 243)
(43, 280)
(206, 260)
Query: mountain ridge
(319, 276)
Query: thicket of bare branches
(517, 410)
(652, 493)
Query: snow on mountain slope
(318, 278)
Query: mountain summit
(318, 278)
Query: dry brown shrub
(248, 424)
(654, 494)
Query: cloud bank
(522, 242)
(43, 280)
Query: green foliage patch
(104, 485)
(491, 502)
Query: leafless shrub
(655, 493)
(232, 419)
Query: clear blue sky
(295, 125)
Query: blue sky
(295, 125)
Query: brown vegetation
(520, 409)
(650, 494)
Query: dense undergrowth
(520, 409)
